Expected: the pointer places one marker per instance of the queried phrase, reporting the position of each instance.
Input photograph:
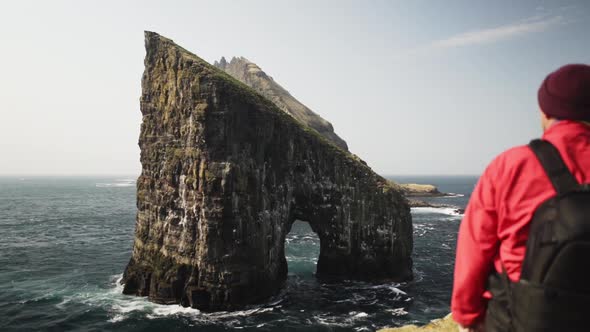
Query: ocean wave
(393, 288)
(306, 259)
(454, 195)
(122, 307)
(421, 229)
(124, 180)
(449, 211)
(360, 294)
(117, 183)
(302, 238)
(339, 321)
(397, 312)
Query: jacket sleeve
(476, 248)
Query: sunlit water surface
(64, 242)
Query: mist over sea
(65, 241)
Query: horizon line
(137, 175)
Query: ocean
(65, 241)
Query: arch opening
(302, 250)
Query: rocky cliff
(250, 74)
(225, 173)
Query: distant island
(421, 190)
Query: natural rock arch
(225, 173)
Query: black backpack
(553, 293)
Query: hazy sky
(414, 87)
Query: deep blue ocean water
(65, 241)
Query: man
(493, 234)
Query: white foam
(62, 304)
(330, 320)
(239, 313)
(355, 314)
(116, 318)
(422, 229)
(449, 211)
(173, 310)
(114, 185)
(454, 195)
(391, 287)
(118, 183)
(397, 311)
(121, 307)
(362, 328)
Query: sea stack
(225, 173)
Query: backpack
(553, 293)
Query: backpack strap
(560, 176)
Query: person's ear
(545, 120)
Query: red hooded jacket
(495, 228)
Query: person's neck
(550, 123)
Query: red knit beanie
(565, 93)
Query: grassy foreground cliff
(446, 324)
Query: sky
(414, 87)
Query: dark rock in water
(250, 74)
(418, 203)
(225, 173)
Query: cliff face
(225, 173)
(250, 74)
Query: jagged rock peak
(221, 63)
(252, 75)
(225, 173)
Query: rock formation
(225, 173)
(415, 203)
(421, 190)
(250, 74)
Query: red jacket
(495, 228)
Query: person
(493, 233)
